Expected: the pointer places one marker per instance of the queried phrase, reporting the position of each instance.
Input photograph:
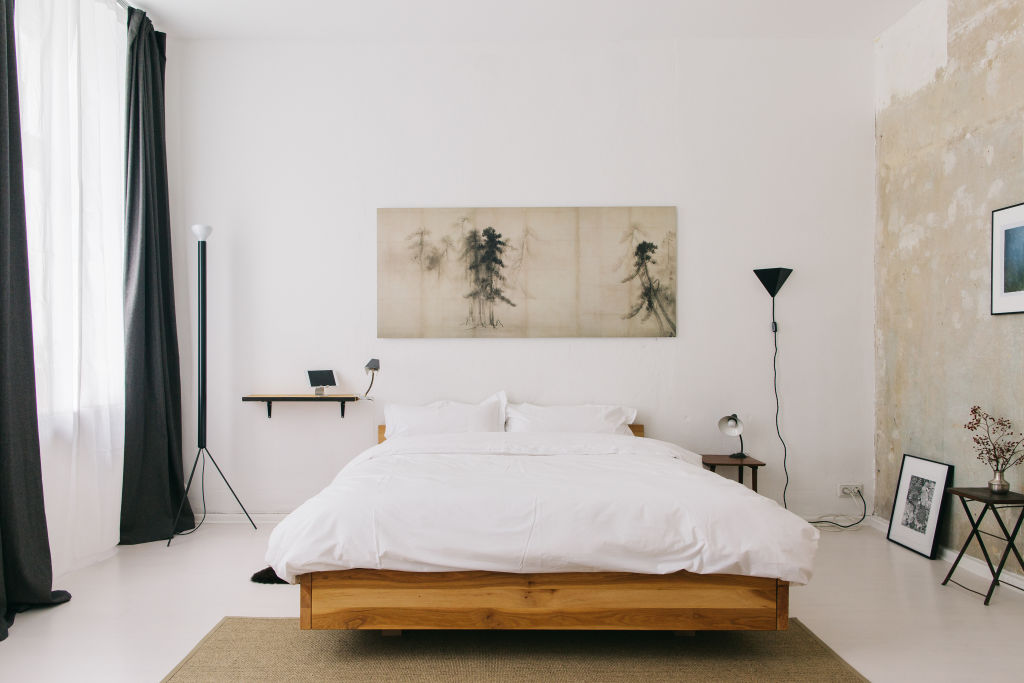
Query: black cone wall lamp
(773, 279)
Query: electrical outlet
(850, 490)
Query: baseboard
(872, 521)
(84, 562)
(978, 567)
(968, 563)
(239, 518)
(876, 522)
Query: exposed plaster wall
(948, 153)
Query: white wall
(766, 147)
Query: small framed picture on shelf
(1008, 260)
(917, 507)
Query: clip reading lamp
(773, 279)
(730, 425)
(372, 368)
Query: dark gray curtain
(153, 477)
(26, 575)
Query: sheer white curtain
(71, 76)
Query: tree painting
(508, 272)
(429, 256)
(481, 253)
(519, 261)
(652, 301)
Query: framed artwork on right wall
(1008, 260)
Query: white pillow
(591, 419)
(446, 417)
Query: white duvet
(524, 502)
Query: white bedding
(522, 502)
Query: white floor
(878, 605)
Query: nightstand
(994, 502)
(714, 461)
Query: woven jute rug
(248, 649)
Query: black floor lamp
(202, 232)
(773, 279)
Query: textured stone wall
(947, 155)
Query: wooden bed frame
(391, 601)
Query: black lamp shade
(772, 278)
(373, 365)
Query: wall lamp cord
(775, 386)
(863, 515)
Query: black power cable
(775, 385)
(778, 430)
(202, 486)
(863, 515)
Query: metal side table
(994, 502)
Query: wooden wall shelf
(269, 399)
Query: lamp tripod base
(204, 452)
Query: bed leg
(306, 601)
(391, 632)
(782, 605)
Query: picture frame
(518, 272)
(1008, 260)
(919, 503)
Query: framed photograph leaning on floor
(917, 508)
(1008, 260)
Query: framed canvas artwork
(527, 272)
(917, 507)
(1008, 260)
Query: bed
(491, 565)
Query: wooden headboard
(638, 430)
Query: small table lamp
(730, 425)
